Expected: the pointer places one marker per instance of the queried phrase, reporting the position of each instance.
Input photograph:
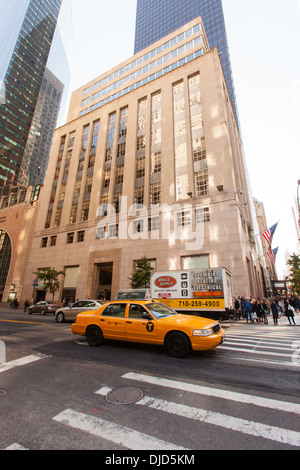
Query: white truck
(203, 292)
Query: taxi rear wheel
(94, 336)
(178, 344)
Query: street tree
(142, 275)
(294, 277)
(49, 279)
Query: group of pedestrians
(247, 308)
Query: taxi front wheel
(94, 336)
(178, 344)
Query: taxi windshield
(160, 310)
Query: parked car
(151, 323)
(69, 313)
(43, 307)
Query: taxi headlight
(206, 332)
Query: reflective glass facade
(158, 18)
(27, 42)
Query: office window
(117, 202)
(85, 210)
(95, 134)
(141, 142)
(70, 238)
(48, 219)
(201, 183)
(58, 217)
(180, 141)
(71, 139)
(195, 262)
(121, 149)
(155, 162)
(119, 176)
(113, 231)
(153, 224)
(85, 136)
(139, 196)
(80, 236)
(183, 219)
(106, 178)
(138, 226)
(44, 242)
(155, 193)
(140, 168)
(73, 216)
(202, 215)
(53, 240)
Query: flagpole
(266, 230)
(265, 254)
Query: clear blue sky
(264, 41)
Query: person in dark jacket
(248, 310)
(289, 313)
(275, 311)
(259, 310)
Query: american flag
(272, 255)
(268, 235)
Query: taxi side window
(114, 310)
(136, 311)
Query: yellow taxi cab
(149, 322)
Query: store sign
(165, 282)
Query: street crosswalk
(264, 343)
(201, 405)
(266, 420)
(135, 440)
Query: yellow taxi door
(140, 329)
(113, 321)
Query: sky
(264, 44)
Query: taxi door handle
(129, 322)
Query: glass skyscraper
(26, 33)
(158, 18)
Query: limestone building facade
(150, 163)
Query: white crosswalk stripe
(215, 392)
(264, 341)
(248, 427)
(206, 414)
(121, 435)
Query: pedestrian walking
(237, 310)
(259, 311)
(289, 312)
(248, 310)
(242, 300)
(275, 311)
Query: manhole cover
(124, 396)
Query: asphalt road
(58, 393)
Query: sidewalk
(283, 321)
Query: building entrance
(5, 258)
(104, 276)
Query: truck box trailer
(204, 292)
